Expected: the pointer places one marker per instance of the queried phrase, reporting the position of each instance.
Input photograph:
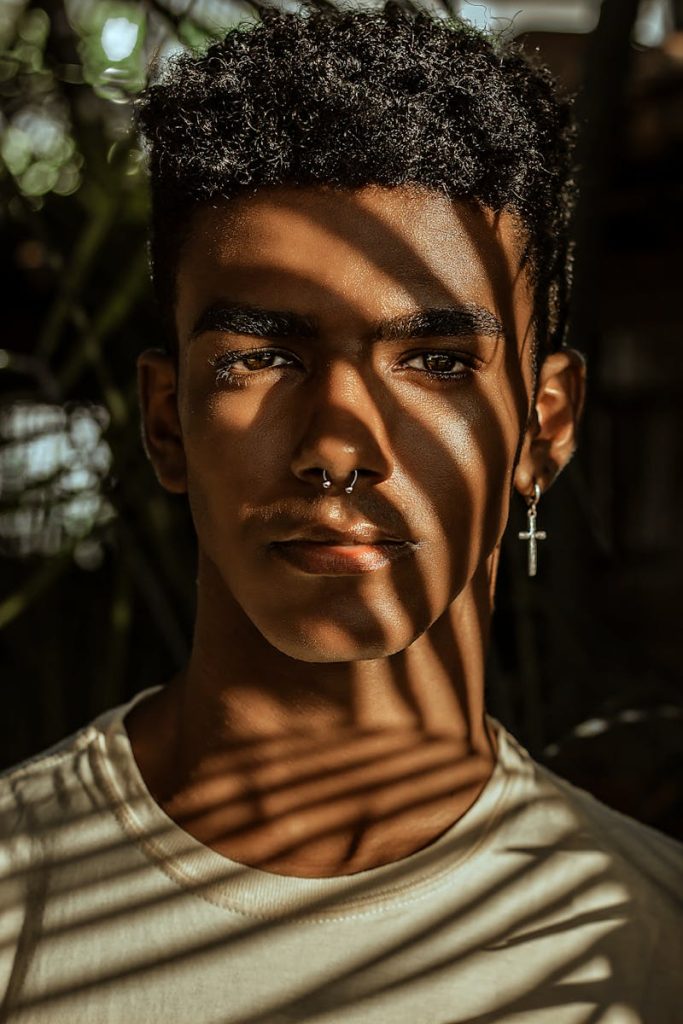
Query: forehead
(368, 253)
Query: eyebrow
(235, 318)
(430, 322)
(448, 322)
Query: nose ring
(328, 483)
(353, 482)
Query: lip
(355, 533)
(349, 558)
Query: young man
(359, 241)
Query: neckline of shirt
(257, 893)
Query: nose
(342, 432)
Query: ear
(550, 440)
(161, 431)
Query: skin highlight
(326, 724)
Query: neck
(319, 768)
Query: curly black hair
(350, 98)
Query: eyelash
(223, 364)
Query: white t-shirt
(539, 906)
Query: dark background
(97, 563)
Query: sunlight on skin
(461, 424)
(279, 652)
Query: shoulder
(54, 794)
(50, 817)
(64, 783)
(648, 859)
(644, 862)
(64, 795)
(41, 787)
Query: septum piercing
(328, 483)
(353, 482)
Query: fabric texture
(539, 905)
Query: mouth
(336, 557)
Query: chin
(325, 641)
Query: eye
(237, 363)
(438, 364)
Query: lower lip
(341, 559)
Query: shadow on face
(381, 335)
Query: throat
(338, 841)
(302, 807)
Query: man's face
(388, 332)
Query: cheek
(234, 458)
(460, 463)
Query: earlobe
(161, 430)
(551, 438)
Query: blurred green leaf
(16, 150)
(34, 27)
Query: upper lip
(359, 533)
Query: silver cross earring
(531, 534)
